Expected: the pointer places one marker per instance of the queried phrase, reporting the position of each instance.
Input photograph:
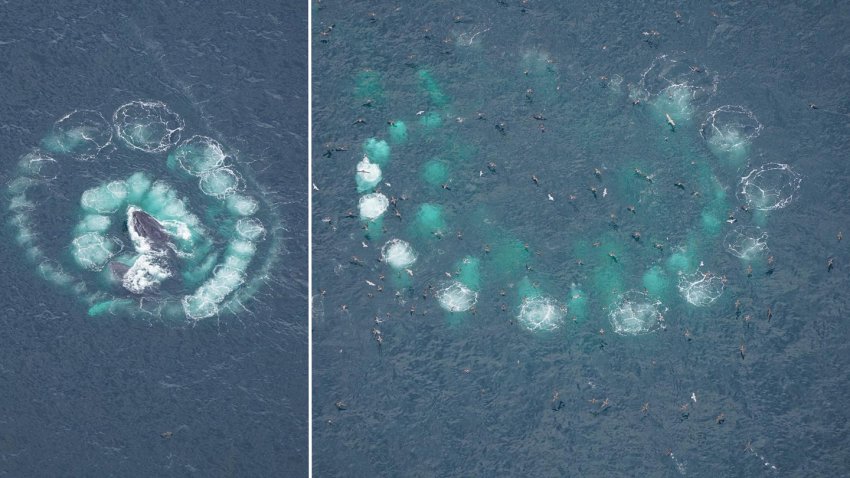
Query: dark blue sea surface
(637, 210)
(88, 388)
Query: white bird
(364, 244)
(604, 192)
(409, 272)
(694, 397)
(420, 113)
(370, 283)
(550, 197)
(670, 121)
(315, 188)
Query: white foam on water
(769, 187)
(38, 165)
(730, 128)
(148, 126)
(242, 205)
(93, 250)
(146, 274)
(82, 132)
(198, 307)
(104, 199)
(199, 155)
(398, 254)
(219, 183)
(747, 242)
(635, 314)
(456, 297)
(368, 174)
(372, 206)
(701, 289)
(541, 314)
(94, 223)
(250, 229)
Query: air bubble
(368, 175)
(82, 133)
(747, 242)
(398, 254)
(148, 126)
(250, 229)
(198, 155)
(635, 313)
(770, 187)
(730, 129)
(701, 289)
(457, 297)
(219, 183)
(372, 206)
(541, 314)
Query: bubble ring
(746, 242)
(764, 197)
(541, 314)
(398, 254)
(148, 126)
(635, 313)
(205, 275)
(85, 133)
(670, 73)
(709, 127)
(457, 297)
(701, 289)
(681, 84)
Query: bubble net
(137, 247)
(372, 206)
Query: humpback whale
(153, 244)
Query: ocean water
(93, 380)
(627, 225)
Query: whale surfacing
(149, 229)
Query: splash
(747, 242)
(368, 175)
